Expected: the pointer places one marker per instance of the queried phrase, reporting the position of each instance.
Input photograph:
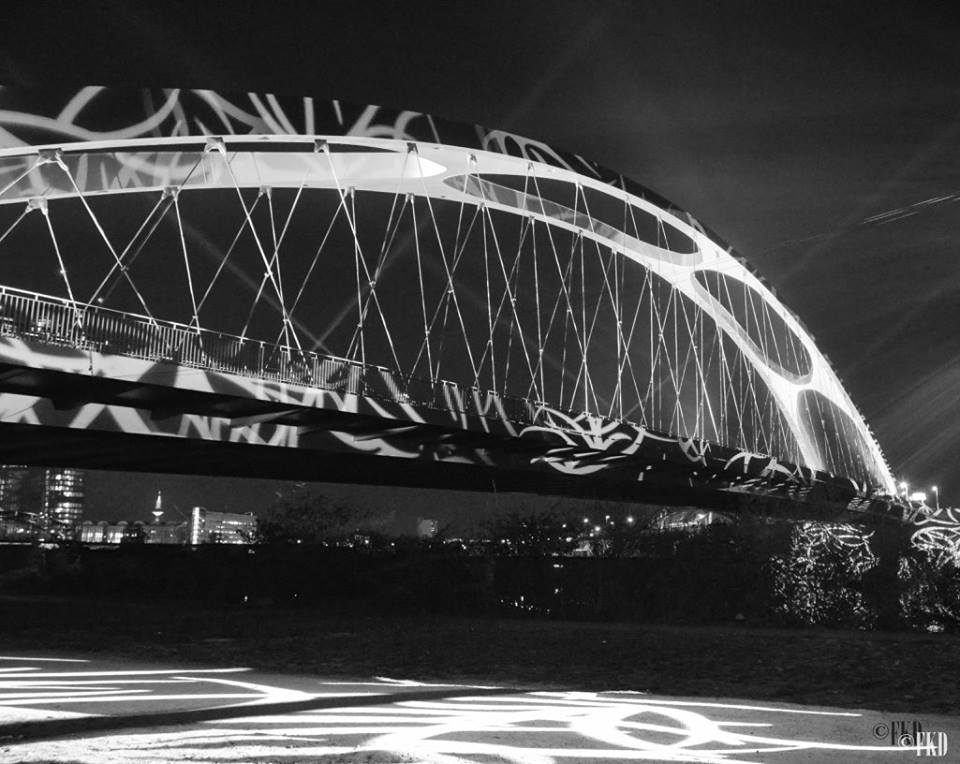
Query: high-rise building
(12, 478)
(62, 503)
(15, 520)
(221, 527)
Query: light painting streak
(525, 728)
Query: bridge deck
(93, 377)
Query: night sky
(784, 127)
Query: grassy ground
(908, 673)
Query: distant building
(40, 503)
(138, 532)
(12, 478)
(103, 532)
(688, 518)
(15, 523)
(166, 533)
(62, 503)
(208, 527)
(93, 533)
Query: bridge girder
(125, 413)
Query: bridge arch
(272, 236)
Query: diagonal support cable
(41, 203)
(451, 289)
(58, 160)
(195, 319)
(220, 148)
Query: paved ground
(70, 709)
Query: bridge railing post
(189, 340)
(112, 335)
(171, 342)
(193, 341)
(33, 315)
(310, 364)
(194, 346)
(5, 320)
(325, 373)
(97, 329)
(57, 332)
(266, 359)
(115, 337)
(90, 326)
(356, 379)
(168, 344)
(10, 315)
(144, 341)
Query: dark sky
(784, 127)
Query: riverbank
(905, 673)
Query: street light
(904, 488)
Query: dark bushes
(793, 575)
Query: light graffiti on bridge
(938, 534)
(575, 444)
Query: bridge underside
(119, 451)
(65, 406)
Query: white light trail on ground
(71, 696)
(39, 683)
(381, 680)
(575, 697)
(127, 673)
(58, 692)
(106, 697)
(38, 660)
(545, 727)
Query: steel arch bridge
(262, 285)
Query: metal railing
(59, 321)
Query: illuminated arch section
(842, 445)
(563, 282)
(599, 211)
(769, 334)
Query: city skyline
(43, 501)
